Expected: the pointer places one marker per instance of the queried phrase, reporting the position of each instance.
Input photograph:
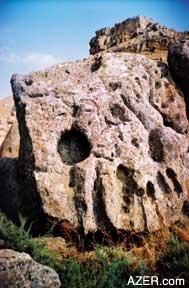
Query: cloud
(41, 59)
(37, 60)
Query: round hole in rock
(74, 146)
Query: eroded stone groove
(150, 189)
(128, 194)
(172, 175)
(144, 214)
(77, 182)
(129, 188)
(102, 220)
(163, 183)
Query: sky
(35, 34)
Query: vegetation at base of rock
(19, 239)
(108, 268)
(176, 260)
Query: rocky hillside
(137, 35)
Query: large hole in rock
(74, 146)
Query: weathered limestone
(7, 117)
(9, 135)
(138, 35)
(10, 145)
(20, 270)
(104, 142)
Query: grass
(108, 268)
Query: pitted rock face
(105, 140)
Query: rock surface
(138, 35)
(104, 143)
(11, 143)
(9, 135)
(7, 117)
(178, 60)
(20, 270)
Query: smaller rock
(20, 270)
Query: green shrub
(175, 262)
(19, 239)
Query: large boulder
(104, 143)
(139, 35)
(20, 270)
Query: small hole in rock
(115, 85)
(135, 142)
(74, 146)
(28, 81)
(158, 84)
